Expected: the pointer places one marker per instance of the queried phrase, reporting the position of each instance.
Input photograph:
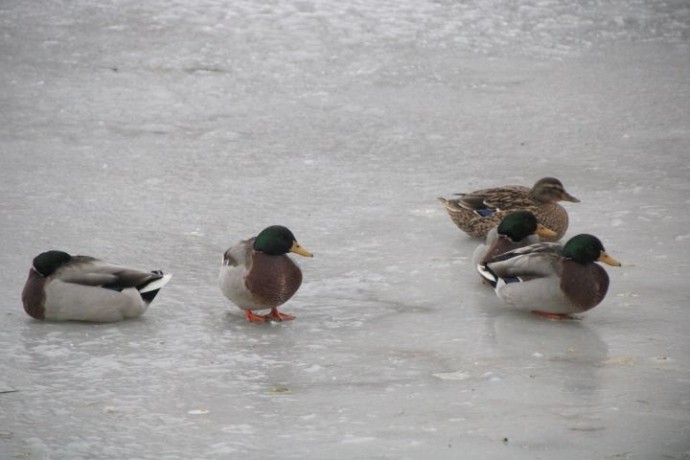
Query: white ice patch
(198, 411)
(241, 428)
(349, 439)
(314, 368)
(457, 375)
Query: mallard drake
(477, 212)
(256, 274)
(62, 287)
(517, 229)
(551, 280)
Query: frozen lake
(156, 134)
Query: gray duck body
(539, 278)
(83, 288)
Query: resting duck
(256, 274)
(478, 212)
(62, 287)
(516, 230)
(552, 281)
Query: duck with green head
(517, 229)
(62, 287)
(551, 280)
(257, 274)
(476, 213)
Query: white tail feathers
(486, 273)
(156, 284)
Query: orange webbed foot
(253, 317)
(552, 316)
(275, 315)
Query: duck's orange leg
(275, 315)
(253, 317)
(552, 316)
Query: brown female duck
(477, 212)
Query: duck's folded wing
(93, 272)
(239, 254)
(536, 260)
(129, 277)
(501, 198)
(472, 201)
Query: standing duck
(257, 274)
(477, 212)
(516, 230)
(552, 281)
(62, 287)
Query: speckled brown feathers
(478, 212)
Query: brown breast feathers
(272, 280)
(33, 295)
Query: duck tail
(450, 205)
(149, 291)
(488, 274)
(500, 283)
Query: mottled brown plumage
(478, 212)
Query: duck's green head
(550, 190)
(47, 262)
(585, 249)
(519, 225)
(278, 240)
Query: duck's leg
(253, 317)
(278, 316)
(552, 316)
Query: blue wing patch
(486, 212)
(512, 279)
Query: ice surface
(157, 133)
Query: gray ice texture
(158, 133)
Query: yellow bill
(297, 249)
(608, 260)
(545, 231)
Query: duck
(257, 274)
(551, 280)
(517, 229)
(63, 287)
(476, 213)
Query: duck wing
(89, 271)
(239, 254)
(535, 260)
(497, 199)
